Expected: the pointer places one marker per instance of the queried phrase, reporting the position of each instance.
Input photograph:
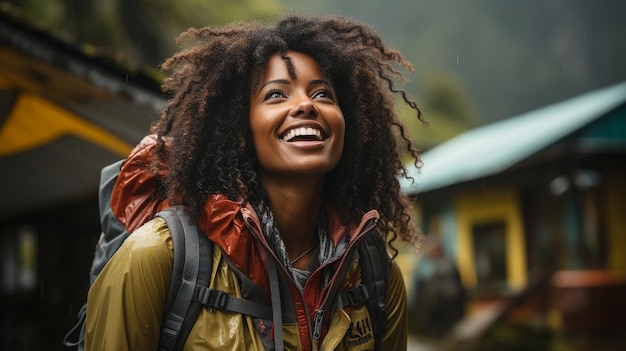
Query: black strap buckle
(355, 296)
(212, 298)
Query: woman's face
(297, 125)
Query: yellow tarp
(34, 122)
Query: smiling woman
(297, 125)
(279, 141)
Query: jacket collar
(236, 229)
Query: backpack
(188, 290)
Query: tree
(143, 31)
(446, 107)
(513, 56)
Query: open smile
(303, 134)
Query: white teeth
(302, 131)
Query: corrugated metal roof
(495, 147)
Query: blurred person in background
(438, 300)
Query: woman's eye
(274, 94)
(323, 94)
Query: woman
(280, 141)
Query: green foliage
(513, 56)
(504, 57)
(446, 107)
(445, 94)
(144, 31)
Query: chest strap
(355, 296)
(217, 299)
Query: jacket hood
(133, 200)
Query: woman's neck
(296, 206)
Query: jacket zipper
(319, 312)
(250, 223)
(316, 333)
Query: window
(18, 250)
(489, 241)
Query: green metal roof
(495, 147)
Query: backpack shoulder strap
(374, 262)
(192, 267)
(189, 290)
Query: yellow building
(536, 197)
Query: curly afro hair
(208, 88)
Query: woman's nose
(304, 107)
